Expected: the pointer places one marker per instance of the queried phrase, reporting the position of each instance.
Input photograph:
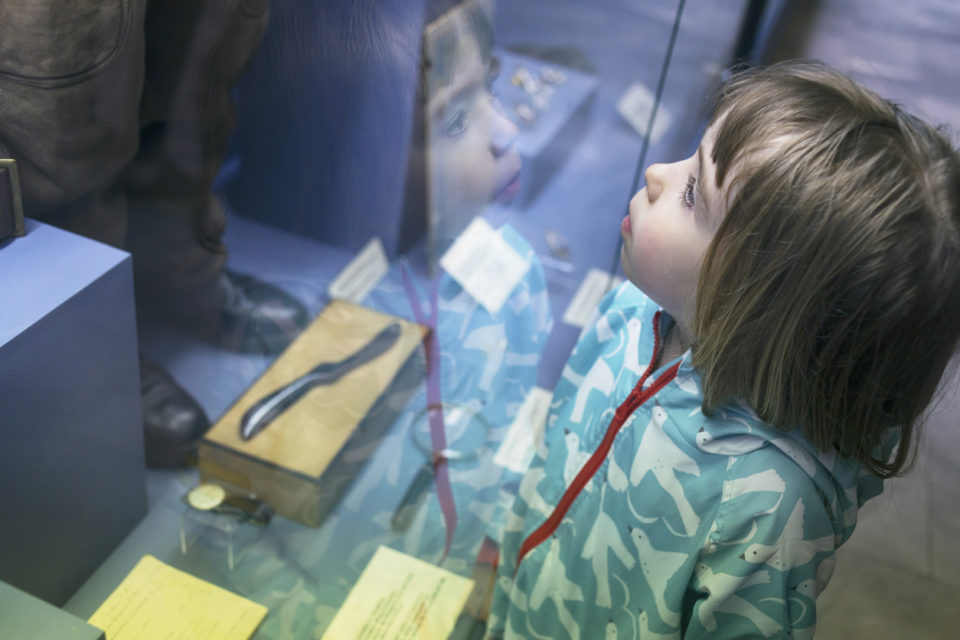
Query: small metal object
(523, 78)
(518, 76)
(206, 497)
(553, 76)
(557, 244)
(261, 414)
(526, 113)
(213, 498)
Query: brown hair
(829, 298)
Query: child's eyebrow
(465, 88)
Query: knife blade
(266, 410)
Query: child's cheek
(635, 265)
(650, 260)
(645, 246)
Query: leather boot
(257, 317)
(173, 422)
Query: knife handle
(272, 405)
(413, 498)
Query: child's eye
(688, 197)
(456, 125)
(493, 72)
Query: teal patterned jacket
(691, 526)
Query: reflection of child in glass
(800, 279)
(469, 158)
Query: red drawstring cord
(636, 398)
(438, 438)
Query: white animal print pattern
(695, 527)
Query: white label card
(362, 274)
(482, 262)
(591, 291)
(526, 432)
(635, 105)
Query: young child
(795, 289)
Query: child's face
(471, 159)
(670, 225)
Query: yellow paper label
(399, 597)
(157, 602)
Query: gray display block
(71, 441)
(26, 617)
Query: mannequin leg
(118, 113)
(195, 53)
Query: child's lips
(625, 225)
(509, 167)
(508, 189)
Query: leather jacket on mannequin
(118, 114)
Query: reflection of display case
(549, 102)
(325, 158)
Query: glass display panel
(365, 237)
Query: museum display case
(441, 186)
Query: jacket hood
(736, 429)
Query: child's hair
(829, 298)
(459, 28)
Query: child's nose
(654, 178)
(503, 133)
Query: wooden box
(308, 456)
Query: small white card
(362, 274)
(482, 262)
(526, 432)
(635, 105)
(399, 596)
(592, 289)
